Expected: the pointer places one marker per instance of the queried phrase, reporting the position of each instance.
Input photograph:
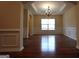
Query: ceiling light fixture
(48, 12)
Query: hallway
(45, 46)
(24, 23)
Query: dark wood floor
(47, 46)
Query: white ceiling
(57, 7)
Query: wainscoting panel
(8, 39)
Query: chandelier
(48, 12)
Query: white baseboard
(4, 56)
(70, 37)
(21, 48)
(77, 47)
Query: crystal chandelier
(48, 12)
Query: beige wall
(9, 15)
(77, 23)
(11, 26)
(69, 23)
(37, 30)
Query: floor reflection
(48, 43)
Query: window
(47, 24)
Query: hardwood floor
(47, 46)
